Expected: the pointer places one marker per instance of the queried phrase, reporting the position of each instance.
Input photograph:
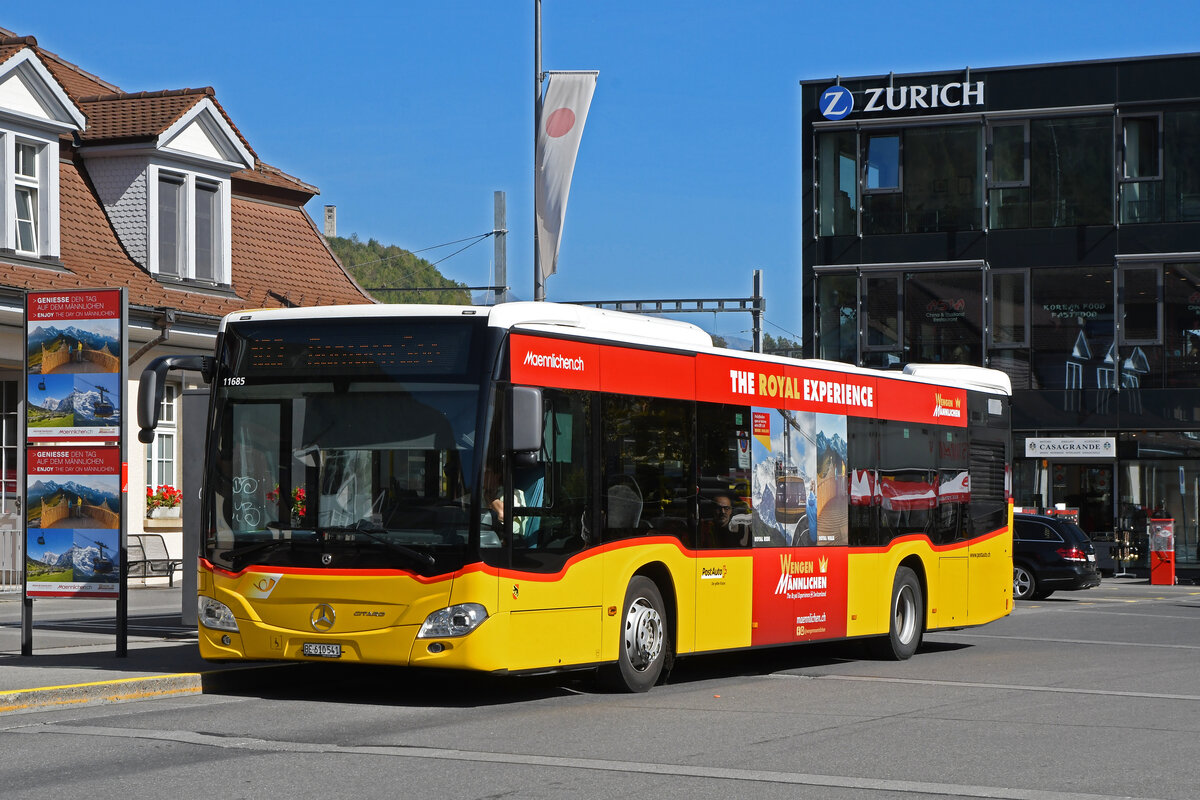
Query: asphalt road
(1084, 695)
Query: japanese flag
(564, 111)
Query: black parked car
(1049, 555)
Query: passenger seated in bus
(718, 528)
(622, 510)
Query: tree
(376, 265)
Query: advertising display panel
(73, 361)
(72, 516)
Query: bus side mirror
(526, 424)
(150, 388)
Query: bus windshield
(350, 462)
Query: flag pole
(539, 284)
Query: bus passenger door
(552, 591)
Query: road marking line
(1002, 686)
(561, 762)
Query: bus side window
(647, 457)
(555, 490)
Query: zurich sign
(836, 102)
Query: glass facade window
(943, 187)
(943, 317)
(1141, 173)
(882, 162)
(881, 344)
(1071, 179)
(882, 205)
(1181, 325)
(838, 209)
(1181, 166)
(837, 310)
(1072, 328)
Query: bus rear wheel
(645, 642)
(907, 615)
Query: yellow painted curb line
(116, 691)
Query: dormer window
(191, 220)
(26, 190)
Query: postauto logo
(836, 102)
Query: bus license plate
(322, 650)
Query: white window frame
(161, 453)
(193, 186)
(42, 188)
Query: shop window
(943, 317)
(1181, 325)
(837, 210)
(1009, 318)
(1072, 326)
(1141, 173)
(1141, 312)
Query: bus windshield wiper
(373, 532)
(246, 551)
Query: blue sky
(409, 115)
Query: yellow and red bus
(535, 487)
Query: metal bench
(147, 557)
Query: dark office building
(1040, 220)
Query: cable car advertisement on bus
(73, 346)
(72, 509)
(799, 494)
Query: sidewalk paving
(75, 660)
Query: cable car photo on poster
(73, 363)
(73, 521)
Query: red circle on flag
(560, 122)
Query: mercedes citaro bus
(531, 487)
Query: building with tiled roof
(156, 191)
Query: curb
(101, 692)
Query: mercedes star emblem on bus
(322, 617)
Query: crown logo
(823, 563)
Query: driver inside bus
(495, 509)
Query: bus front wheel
(907, 615)
(644, 638)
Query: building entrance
(1087, 487)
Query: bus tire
(907, 618)
(645, 640)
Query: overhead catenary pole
(539, 283)
(499, 250)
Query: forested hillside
(376, 265)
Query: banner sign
(73, 361)
(1072, 447)
(72, 518)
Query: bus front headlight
(456, 620)
(214, 614)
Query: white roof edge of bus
(600, 323)
(546, 317)
(962, 375)
(347, 312)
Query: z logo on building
(836, 102)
